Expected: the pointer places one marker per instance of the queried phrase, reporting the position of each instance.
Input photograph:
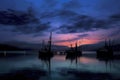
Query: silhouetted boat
(46, 53)
(105, 52)
(73, 53)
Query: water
(60, 68)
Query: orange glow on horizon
(79, 42)
(68, 39)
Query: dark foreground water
(87, 67)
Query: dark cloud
(100, 24)
(12, 17)
(20, 21)
(83, 23)
(27, 22)
(115, 17)
(37, 28)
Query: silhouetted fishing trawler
(46, 53)
(105, 52)
(73, 53)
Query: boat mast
(76, 51)
(76, 47)
(50, 41)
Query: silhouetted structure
(45, 54)
(46, 51)
(106, 52)
(73, 53)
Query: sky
(71, 21)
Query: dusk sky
(86, 21)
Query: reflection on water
(59, 63)
(59, 58)
(87, 60)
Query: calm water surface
(59, 65)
